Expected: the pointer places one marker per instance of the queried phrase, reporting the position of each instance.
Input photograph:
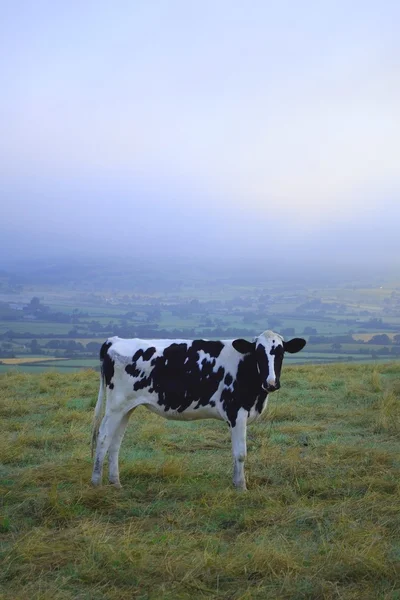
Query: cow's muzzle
(271, 387)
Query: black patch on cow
(138, 354)
(147, 354)
(261, 401)
(141, 384)
(104, 348)
(262, 360)
(228, 379)
(213, 348)
(107, 366)
(247, 391)
(132, 369)
(278, 354)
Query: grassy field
(35, 327)
(42, 364)
(321, 519)
(321, 308)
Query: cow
(229, 380)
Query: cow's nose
(272, 385)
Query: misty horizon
(265, 135)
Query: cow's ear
(294, 345)
(243, 346)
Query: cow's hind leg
(113, 451)
(108, 427)
(239, 449)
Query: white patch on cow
(270, 340)
(204, 356)
(271, 374)
(128, 347)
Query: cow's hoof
(240, 487)
(95, 481)
(116, 484)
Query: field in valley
(341, 321)
(321, 519)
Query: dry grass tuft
(376, 385)
(45, 549)
(263, 559)
(69, 470)
(388, 418)
(167, 468)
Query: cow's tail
(98, 407)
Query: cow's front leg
(239, 450)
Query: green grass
(43, 341)
(354, 348)
(35, 327)
(321, 519)
(93, 309)
(74, 362)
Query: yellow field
(27, 359)
(367, 336)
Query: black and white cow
(186, 380)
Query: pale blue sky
(215, 119)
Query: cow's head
(269, 348)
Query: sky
(262, 129)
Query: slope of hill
(321, 519)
